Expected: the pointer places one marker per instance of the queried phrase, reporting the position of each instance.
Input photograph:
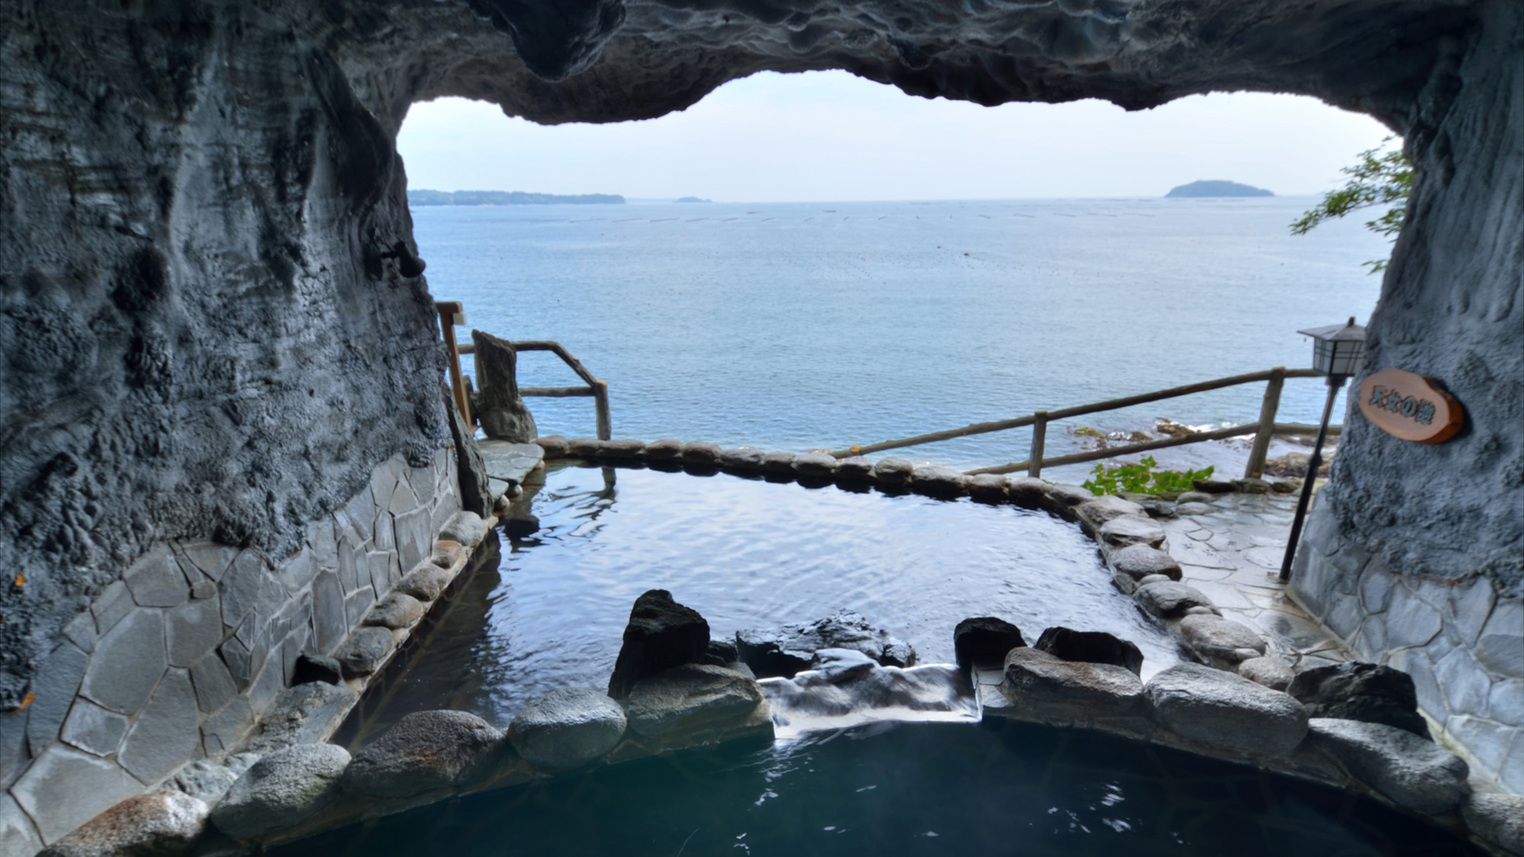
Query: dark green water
(995, 789)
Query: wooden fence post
(601, 409)
(1039, 440)
(1255, 469)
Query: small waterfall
(848, 688)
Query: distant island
(692, 199)
(1217, 188)
(507, 197)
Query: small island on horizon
(1216, 187)
(505, 197)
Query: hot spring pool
(548, 610)
(744, 554)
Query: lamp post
(1336, 353)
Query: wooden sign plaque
(1410, 406)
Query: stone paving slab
(1232, 553)
(509, 463)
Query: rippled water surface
(996, 789)
(745, 554)
(796, 326)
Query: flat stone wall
(1459, 638)
(177, 660)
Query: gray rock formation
(281, 789)
(1221, 641)
(499, 409)
(1497, 818)
(567, 727)
(691, 700)
(847, 688)
(1139, 561)
(660, 635)
(1224, 712)
(425, 750)
(1413, 772)
(1048, 689)
(159, 823)
(1168, 599)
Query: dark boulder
(984, 641)
(661, 634)
(1361, 691)
(1091, 647)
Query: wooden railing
(1263, 429)
(598, 390)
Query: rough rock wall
(197, 336)
(1415, 554)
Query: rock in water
(792, 648)
(499, 409)
(282, 789)
(1048, 689)
(567, 727)
(661, 634)
(1413, 772)
(426, 750)
(1091, 647)
(1361, 691)
(984, 640)
(1225, 712)
(157, 823)
(691, 700)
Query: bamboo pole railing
(1263, 429)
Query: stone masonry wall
(175, 661)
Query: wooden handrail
(595, 389)
(1263, 429)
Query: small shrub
(1142, 478)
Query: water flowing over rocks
(1413, 772)
(792, 648)
(281, 789)
(847, 688)
(567, 727)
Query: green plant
(1378, 178)
(1142, 478)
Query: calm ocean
(809, 325)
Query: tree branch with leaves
(1382, 176)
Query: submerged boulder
(788, 650)
(661, 634)
(567, 727)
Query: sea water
(821, 325)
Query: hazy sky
(829, 136)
